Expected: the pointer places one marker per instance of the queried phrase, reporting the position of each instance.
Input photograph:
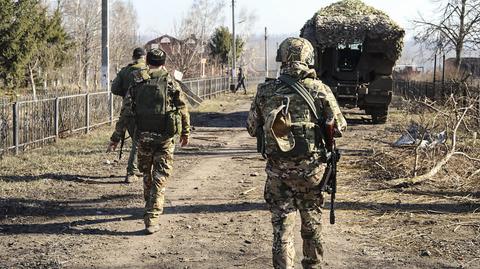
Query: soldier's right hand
(112, 146)
(184, 140)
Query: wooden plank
(193, 99)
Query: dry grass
(438, 218)
(61, 156)
(224, 103)
(52, 173)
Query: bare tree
(194, 29)
(456, 28)
(83, 22)
(123, 33)
(200, 20)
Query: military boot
(152, 229)
(129, 178)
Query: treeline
(50, 46)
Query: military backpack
(154, 108)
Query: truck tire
(379, 114)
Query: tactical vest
(154, 109)
(305, 137)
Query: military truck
(356, 49)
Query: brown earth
(65, 206)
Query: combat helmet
(296, 49)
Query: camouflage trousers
(285, 196)
(155, 159)
(132, 158)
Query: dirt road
(65, 206)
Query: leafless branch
(460, 116)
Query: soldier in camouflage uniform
(120, 86)
(156, 141)
(293, 182)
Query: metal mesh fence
(28, 123)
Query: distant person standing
(120, 86)
(241, 81)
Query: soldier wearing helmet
(284, 117)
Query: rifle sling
(304, 93)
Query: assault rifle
(122, 141)
(330, 177)
(261, 141)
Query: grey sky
(280, 16)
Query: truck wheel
(379, 119)
(379, 115)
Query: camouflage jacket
(122, 83)
(308, 79)
(319, 91)
(124, 79)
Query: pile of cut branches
(456, 161)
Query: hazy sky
(280, 16)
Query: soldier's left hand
(111, 146)
(184, 140)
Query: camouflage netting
(348, 21)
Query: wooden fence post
(56, 119)
(15, 127)
(87, 113)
